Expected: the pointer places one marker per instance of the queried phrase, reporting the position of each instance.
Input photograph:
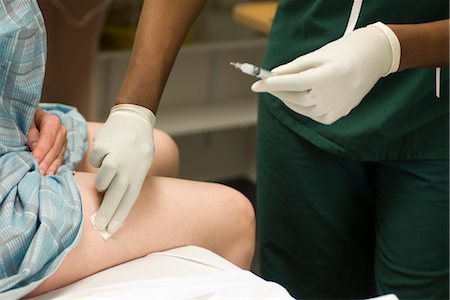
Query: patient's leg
(169, 213)
(166, 162)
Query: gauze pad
(104, 234)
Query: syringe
(252, 70)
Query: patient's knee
(167, 158)
(243, 246)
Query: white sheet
(183, 273)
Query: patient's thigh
(169, 213)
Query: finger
(328, 119)
(98, 153)
(299, 98)
(335, 115)
(106, 173)
(258, 87)
(293, 105)
(55, 150)
(47, 134)
(124, 208)
(298, 82)
(33, 136)
(58, 161)
(62, 152)
(110, 202)
(302, 63)
(310, 112)
(54, 166)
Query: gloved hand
(124, 150)
(326, 84)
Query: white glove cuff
(137, 111)
(395, 46)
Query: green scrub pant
(333, 228)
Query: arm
(423, 45)
(123, 148)
(326, 84)
(161, 30)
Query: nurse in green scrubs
(353, 147)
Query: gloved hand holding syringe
(252, 70)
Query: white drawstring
(354, 15)
(438, 82)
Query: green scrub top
(400, 118)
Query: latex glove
(325, 85)
(124, 150)
(47, 139)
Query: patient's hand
(47, 139)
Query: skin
(47, 139)
(423, 45)
(192, 212)
(160, 33)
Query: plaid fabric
(40, 216)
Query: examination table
(183, 273)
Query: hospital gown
(40, 216)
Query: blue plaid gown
(40, 216)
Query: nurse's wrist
(143, 103)
(423, 45)
(393, 46)
(136, 111)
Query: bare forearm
(162, 27)
(423, 45)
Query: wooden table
(256, 15)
